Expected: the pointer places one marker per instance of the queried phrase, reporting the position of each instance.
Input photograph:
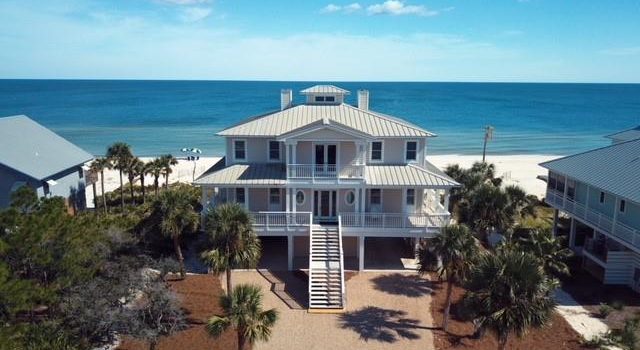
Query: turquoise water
(163, 116)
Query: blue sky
(372, 40)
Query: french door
(325, 204)
(325, 156)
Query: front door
(325, 204)
(325, 159)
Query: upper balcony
(594, 218)
(319, 173)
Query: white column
(555, 222)
(287, 199)
(616, 208)
(572, 234)
(564, 194)
(246, 198)
(294, 204)
(360, 253)
(446, 200)
(294, 155)
(290, 252)
(356, 206)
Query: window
(274, 195)
(411, 153)
(319, 98)
(350, 198)
(81, 173)
(560, 184)
(376, 151)
(239, 149)
(411, 196)
(375, 196)
(571, 189)
(274, 150)
(330, 98)
(552, 181)
(240, 195)
(601, 197)
(300, 197)
(623, 205)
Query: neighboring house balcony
(594, 218)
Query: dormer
(325, 95)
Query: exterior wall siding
(619, 269)
(69, 185)
(631, 215)
(257, 149)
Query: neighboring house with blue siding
(33, 155)
(599, 191)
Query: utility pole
(488, 135)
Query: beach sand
(520, 170)
(515, 169)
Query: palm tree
(457, 250)
(235, 244)
(549, 250)
(167, 161)
(133, 167)
(98, 166)
(143, 169)
(176, 216)
(508, 292)
(243, 311)
(120, 154)
(155, 169)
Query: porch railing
(324, 171)
(594, 218)
(394, 220)
(281, 219)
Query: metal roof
(245, 174)
(32, 149)
(324, 89)
(614, 169)
(407, 175)
(626, 135)
(281, 122)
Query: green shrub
(617, 305)
(604, 310)
(597, 342)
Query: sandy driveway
(384, 311)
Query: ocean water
(158, 117)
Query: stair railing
(344, 298)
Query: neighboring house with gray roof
(325, 177)
(33, 155)
(599, 190)
(625, 135)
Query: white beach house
(327, 175)
(599, 191)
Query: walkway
(385, 310)
(580, 319)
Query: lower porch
(380, 253)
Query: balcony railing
(281, 219)
(394, 220)
(595, 218)
(288, 220)
(322, 172)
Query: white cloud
(397, 8)
(352, 7)
(195, 14)
(622, 51)
(333, 8)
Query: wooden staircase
(326, 269)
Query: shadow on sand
(410, 285)
(290, 287)
(383, 325)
